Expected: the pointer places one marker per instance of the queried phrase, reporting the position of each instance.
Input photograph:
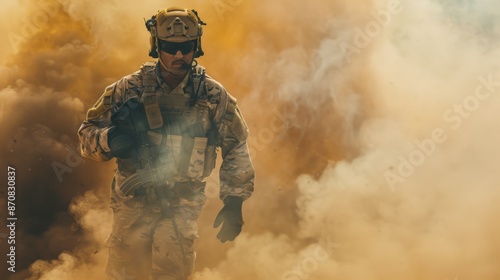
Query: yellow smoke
(373, 131)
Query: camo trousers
(143, 242)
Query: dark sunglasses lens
(172, 48)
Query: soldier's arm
(237, 174)
(93, 132)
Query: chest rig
(179, 127)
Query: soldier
(164, 125)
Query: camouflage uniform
(141, 235)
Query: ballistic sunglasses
(172, 48)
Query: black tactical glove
(120, 143)
(127, 121)
(231, 217)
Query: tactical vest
(180, 125)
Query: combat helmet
(175, 24)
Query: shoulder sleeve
(103, 104)
(237, 173)
(233, 121)
(226, 115)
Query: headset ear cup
(199, 51)
(153, 52)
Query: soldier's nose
(178, 54)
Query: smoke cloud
(373, 132)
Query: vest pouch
(170, 155)
(210, 160)
(197, 160)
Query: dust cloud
(373, 132)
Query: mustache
(184, 66)
(179, 61)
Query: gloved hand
(120, 143)
(231, 218)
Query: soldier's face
(177, 56)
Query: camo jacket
(236, 172)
